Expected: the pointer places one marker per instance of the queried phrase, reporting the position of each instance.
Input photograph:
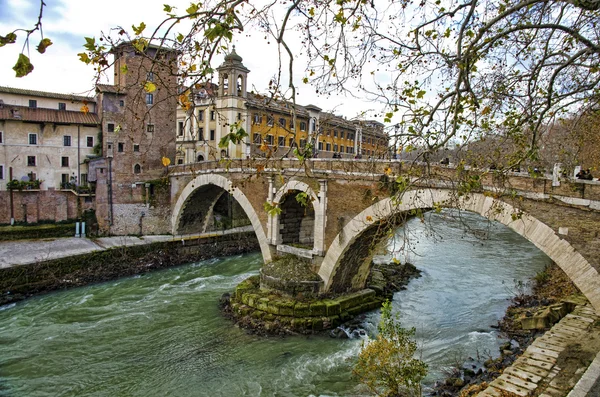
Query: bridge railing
(422, 174)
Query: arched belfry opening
(297, 220)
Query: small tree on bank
(387, 365)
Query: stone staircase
(533, 374)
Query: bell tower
(233, 76)
(231, 103)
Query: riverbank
(93, 263)
(548, 288)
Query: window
(200, 158)
(136, 148)
(320, 145)
(335, 133)
(256, 138)
(201, 115)
(335, 147)
(64, 161)
(149, 127)
(31, 161)
(149, 99)
(342, 134)
(281, 141)
(342, 149)
(83, 180)
(212, 135)
(328, 147)
(180, 128)
(257, 118)
(1, 172)
(120, 147)
(33, 139)
(239, 116)
(270, 121)
(302, 143)
(292, 143)
(282, 122)
(179, 161)
(201, 133)
(137, 169)
(62, 106)
(302, 126)
(32, 103)
(64, 180)
(150, 76)
(121, 103)
(89, 141)
(67, 140)
(269, 139)
(1, 137)
(212, 115)
(110, 127)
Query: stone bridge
(335, 211)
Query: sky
(67, 22)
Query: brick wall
(44, 205)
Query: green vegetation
(22, 232)
(387, 365)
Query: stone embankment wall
(33, 206)
(20, 282)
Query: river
(161, 334)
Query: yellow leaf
(264, 147)
(388, 171)
(85, 109)
(166, 161)
(485, 110)
(149, 86)
(369, 218)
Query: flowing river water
(161, 334)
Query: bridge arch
(577, 268)
(317, 208)
(225, 184)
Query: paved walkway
(534, 372)
(24, 252)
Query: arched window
(200, 158)
(223, 154)
(137, 169)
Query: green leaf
(168, 8)
(420, 94)
(138, 30)
(83, 57)
(193, 9)
(180, 37)
(124, 69)
(8, 39)
(23, 66)
(90, 43)
(44, 43)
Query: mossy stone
(318, 309)
(253, 299)
(301, 309)
(317, 324)
(333, 307)
(262, 304)
(258, 314)
(299, 324)
(286, 308)
(273, 307)
(269, 317)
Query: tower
(230, 104)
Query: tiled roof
(40, 115)
(111, 89)
(44, 94)
(266, 103)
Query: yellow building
(274, 127)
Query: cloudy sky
(67, 22)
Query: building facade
(274, 127)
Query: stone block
(273, 308)
(286, 308)
(263, 304)
(299, 323)
(317, 324)
(333, 307)
(301, 309)
(318, 309)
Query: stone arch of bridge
(225, 184)
(318, 207)
(576, 267)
